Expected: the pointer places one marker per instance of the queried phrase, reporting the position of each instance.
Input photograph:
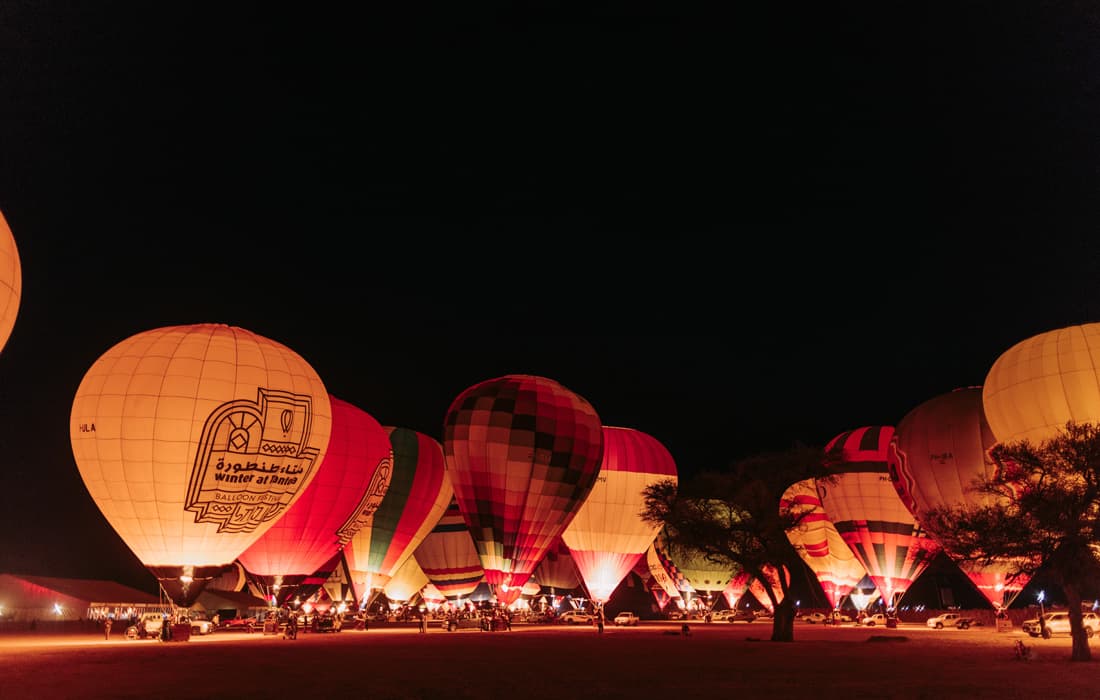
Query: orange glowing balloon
(1039, 384)
(11, 281)
(193, 440)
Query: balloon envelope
(329, 511)
(1043, 382)
(938, 450)
(607, 536)
(868, 513)
(415, 500)
(523, 452)
(448, 557)
(193, 441)
(820, 545)
(11, 281)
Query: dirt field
(653, 660)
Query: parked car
(722, 615)
(742, 616)
(240, 624)
(945, 620)
(625, 619)
(1058, 623)
(872, 620)
(815, 618)
(965, 622)
(200, 622)
(576, 617)
(677, 615)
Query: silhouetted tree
(735, 518)
(1045, 514)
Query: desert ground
(652, 660)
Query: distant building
(44, 598)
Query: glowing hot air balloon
(1039, 384)
(406, 582)
(939, 448)
(662, 579)
(448, 557)
(607, 536)
(330, 510)
(703, 578)
(193, 441)
(415, 500)
(819, 544)
(523, 452)
(771, 574)
(11, 281)
(868, 513)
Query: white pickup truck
(625, 619)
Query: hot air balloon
(448, 558)
(557, 573)
(607, 536)
(523, 452)
(772, 575)
(938, 450)
(736, 588)
(406, 582)
(868, 513)
(703, 578)
(312, 531)
(1039, 384)
(11, 281)
(415, 500)
(193, 441)
(661, 578)
(819, 544)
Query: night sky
(733, 231)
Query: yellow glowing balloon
(193, 440)
(11, 281)
(1039, 384)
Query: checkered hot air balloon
(866, 510)
(523, 452)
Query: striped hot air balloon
(866, 510)
(448, 556)
(820, 545)
(415, 500)
(607, 536)
(939, 448)
(523, 452)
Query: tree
(1043, 512)
(735, 518)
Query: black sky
(730, 230)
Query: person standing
(107, 628)
(423, 622)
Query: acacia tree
(1044, 514)
(735, 518)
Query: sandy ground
(721, 660)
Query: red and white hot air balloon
(193, 441)
(313, 530)
(866, 510)
(820, 545)
(608, 536)
(11, 281)
(938, 450)
(523, 452)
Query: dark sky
(730, 230)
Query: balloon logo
(193, 441)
